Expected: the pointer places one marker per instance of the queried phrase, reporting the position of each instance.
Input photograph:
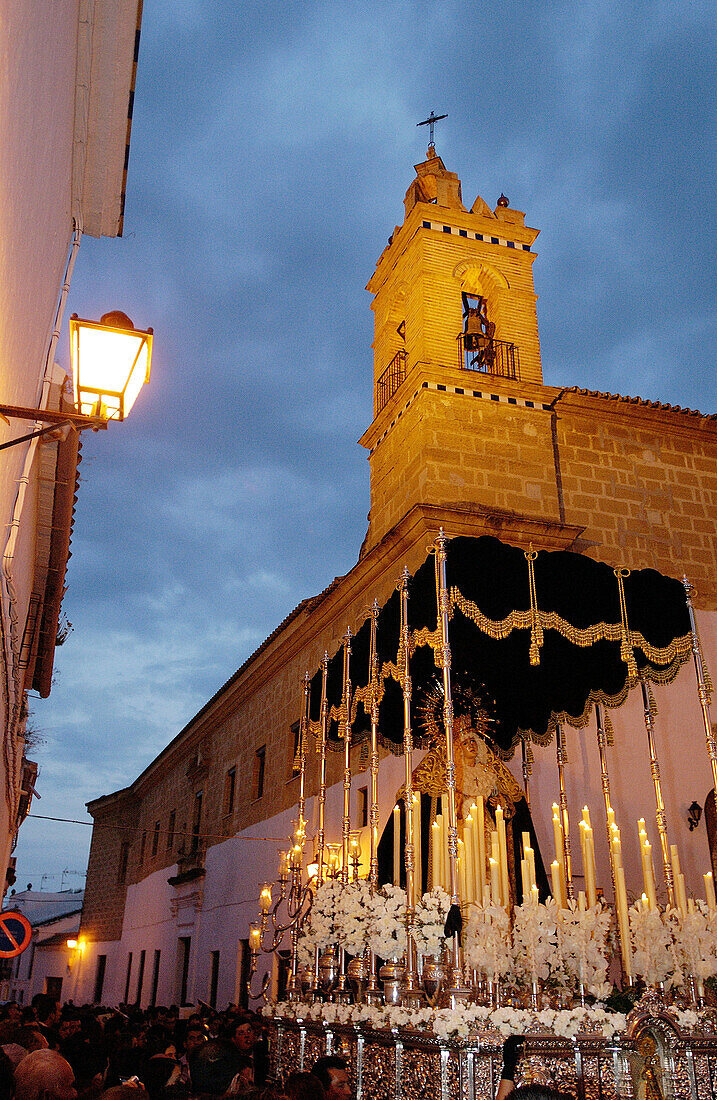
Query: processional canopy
(539, 637)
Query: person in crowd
(243, 1080)
(303, 1086)
(47, 1011)
(44, 1075)
(20, 1041)
(194, 1040)
(11, 1013)
(333, 1074)
(512, 1053)
(215, 1066)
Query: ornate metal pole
(565, 816)
(303, 733)
(660, 814)
(322, 767)
(373, 994)
(704, 691)
(346, 723)
(411, 993)
(293, 985)
(526, 770)
(458, 989)
(343, 993)
(373, 815)
(321, 837)
(602, 746)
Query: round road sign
(15, 933)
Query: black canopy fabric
(537, 641)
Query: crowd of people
(48, 1052)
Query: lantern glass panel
(109, 368)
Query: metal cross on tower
(430, 122)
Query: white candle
(481, 861)
(649, 875)
(590, 887)
(495, 882)
(435, 854)
(439, 851)
(681, 892)
(710, 891)
(417, 860)
(462, 885)
(503, 849)
(446, 854)
(555, 879)
(396, 845)
(469, 840)
(623, 919)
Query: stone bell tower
(455, 318)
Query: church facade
(465, 436)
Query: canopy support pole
(411, 992)
(564, 814)
(703, 690)
(660, 815)
(458, 990)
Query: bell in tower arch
(478, 331)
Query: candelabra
(287, 913)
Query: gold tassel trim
(536, 628)
(679, 648)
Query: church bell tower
(456, 332)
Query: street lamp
(110, 363)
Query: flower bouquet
(429, 921)
(582, 946)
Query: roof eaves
(658, 405)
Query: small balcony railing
(497, 357)
(390, 380)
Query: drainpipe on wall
(11, 631)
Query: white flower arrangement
(487, 941)
(429, 921)
(535, 941)
(467, 1021)
(353, 916)
(653, 954)
(387, 923)
(582, 940)
(695, 941)
(323, 931)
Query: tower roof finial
(430, 122)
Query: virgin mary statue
(482, 779)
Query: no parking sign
(15, 933)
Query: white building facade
(66, 91)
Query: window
(230, 786)
(53, 988)
(140, 978)
(155, 979)
(142, 846)
(100, 978)
(155, 838)
(128, 978)
(197, 821)
(214, 978)
(123, 860)
(259, 770)
(171, 828)
(184, 947)
(362, 815)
